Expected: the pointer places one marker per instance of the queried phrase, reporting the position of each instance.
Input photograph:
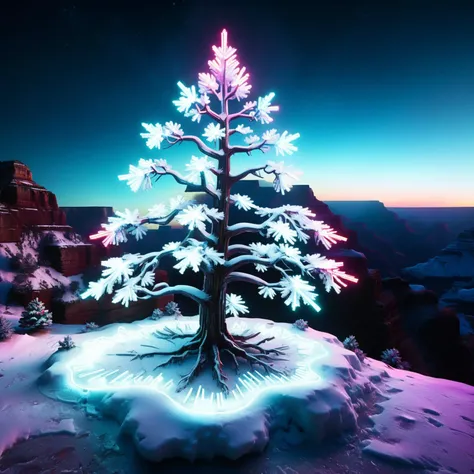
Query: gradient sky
(382, 92)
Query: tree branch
(243, 227)
(179, 179)
(236, 248)
(246, 149)
(186, 290)
(156, 220)
(207, 110)
(217, 154)
(241, 114)
(248, 278)
(241, 176)
(237, 262)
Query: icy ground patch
(96, 367)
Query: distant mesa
(455, 261)
(389, 242)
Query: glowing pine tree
(208, 246)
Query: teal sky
(383, 97)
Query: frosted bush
(393, 358)
(35, 316)
(172, 309)
(66, 344)
(6, 329)
(301, 324)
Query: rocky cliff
(42, 256)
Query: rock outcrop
(428, 336)
(27, 205)
(42, 256)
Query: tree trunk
(212, 324)
(212, 314)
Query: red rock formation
(25, 206)
(27, 203)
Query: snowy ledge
(415, 414)
(199, 422)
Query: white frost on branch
(139, 177)
(200, 165)
(187, 99)
(195, 216)
(235, 305)
(157, 211)
(285, 176)
(173, 129)
(154, 135)
(213, 132)
(243, 130)
(207, 83)
(329, 271)
(283, 145)
(281, 230)
(294, 290)
(271, 136)
(195, 254)
(252, 139)
(264, 108)
(242, 201)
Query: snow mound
(415, 414)
(319, 396)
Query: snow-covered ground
(377, 414)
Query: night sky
(382, 92)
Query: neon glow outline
(249, 387)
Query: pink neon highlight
(100, 235)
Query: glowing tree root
(236, 347)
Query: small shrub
(35, 316)
(172, 309)
(301, 324)
(351, 343)
(6, 329)
(157, 314)
(90, 327)
(66, 344)
(393, 358)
